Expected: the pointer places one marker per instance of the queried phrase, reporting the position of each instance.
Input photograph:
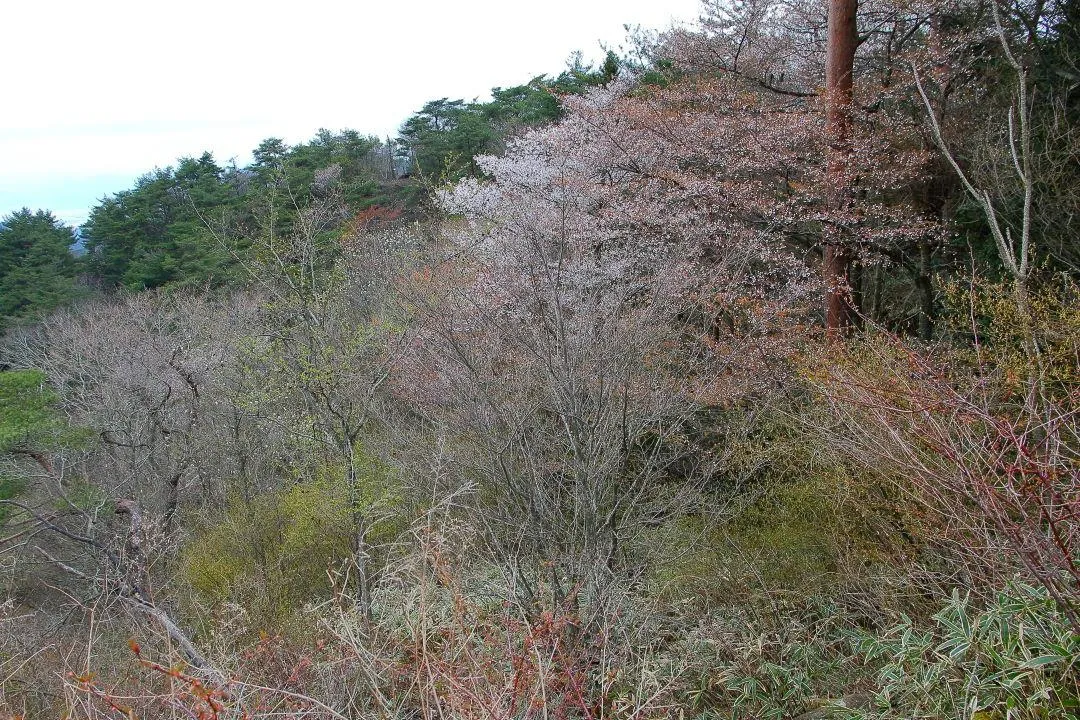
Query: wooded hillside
(737, 377)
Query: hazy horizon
(108, 91)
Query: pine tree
(37, 267)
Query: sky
(99, 92)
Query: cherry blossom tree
(864, 180)
(594, 298)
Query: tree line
(161, 232)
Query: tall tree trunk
(839, 71)
(924, 285)
(359, 522)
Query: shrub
(1016, 659)
(992, 456)
(271, 555)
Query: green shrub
(739, 666)
(271, 555)
(807, 535)
(989, 313)
(1015, 659)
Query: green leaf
(1044, 660)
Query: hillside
(735, 378)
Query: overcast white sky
(98, 93)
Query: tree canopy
(37, 266)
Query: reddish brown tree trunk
(839, 71)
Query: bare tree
(328, 340)
(135, 379)
(1014, 250)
